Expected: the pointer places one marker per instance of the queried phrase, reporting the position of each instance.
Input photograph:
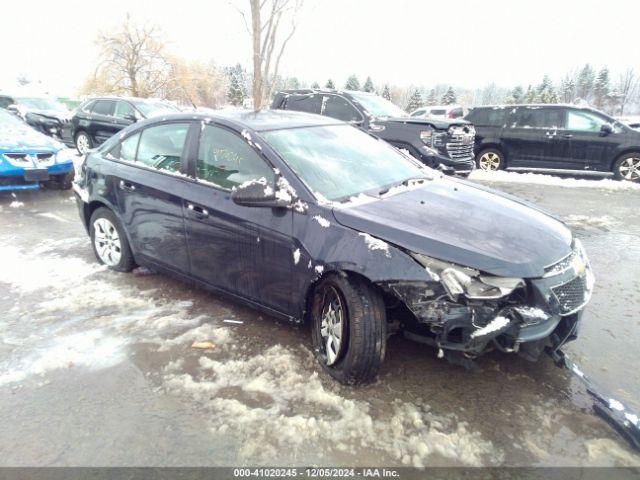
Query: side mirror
(606, 129)
(13, 108)
(257, 193)
(130, 117)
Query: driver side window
(226, 160)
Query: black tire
(126, 262)
(630, 164)
(86, 136)
(364, 337)
(61, 182)
(491, 153)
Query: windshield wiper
(404, 182)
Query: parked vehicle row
(308, 219)
(434, 141)
(97, 119)
(29, 158)
(555, 137)
(45, 114)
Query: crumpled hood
(439, 123)
(54, 114)
(464, 224)
(24, 138)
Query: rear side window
(126, 150)
(103, 107)
(307, 103)
(488, 117)
(226, 160)
(536, 117)
(340, 108)
(438, 112)
(161, 146)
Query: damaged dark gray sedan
(310, 219)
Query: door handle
(127, 186)
(198, 211)
(567, 135)
(551, 134)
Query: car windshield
(378, 106)
(40, 103)
(339, 161)
(151, 109)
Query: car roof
(262, 120)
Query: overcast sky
(406, 42)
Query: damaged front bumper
(540, 313)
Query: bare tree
(268, 44)
(626, 88)
(132, 61)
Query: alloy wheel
(489, 161)
(630, 169)
(107, 242)
(82, 142)
(332, 326)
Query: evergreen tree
(584, 85)
(567, 89)
(530, 96)
(546, 92)
(330, 84)
(236, 91)
(315, 85)
(415, 101)
(449, 97)
(602, 89)
(368, 85)
(516, 95)
(432, 99)
(386, 93)
(352, 83)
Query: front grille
(18, 159)
(44, 159)
(572, 295)
(460, 142)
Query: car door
(101, 124)
(531, 139)
(588, 146)
(150, 191)
(246, 251)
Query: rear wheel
(490, 160)
(349, 328)
(110, 241)
(627, 167)
(83, 143)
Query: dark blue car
(310, 219)
(29, 158)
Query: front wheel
(490, 160)
(349, 328)
(110, 241)
(627, 167)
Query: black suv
(97, 119)
(438, 142)
(555, 137)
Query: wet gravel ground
(97, 368)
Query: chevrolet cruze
(312, 220)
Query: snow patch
(16, 204)
(376, 244)
(494, 325)
(296, 256)
(540, 179)
(322, 221)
